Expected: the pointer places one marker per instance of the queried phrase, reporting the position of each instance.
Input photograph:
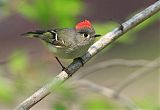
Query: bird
(67, 43)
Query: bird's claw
(121, 27)
(79, 59)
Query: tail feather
(33, 33)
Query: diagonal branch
(93, 50)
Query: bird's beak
(97, 35)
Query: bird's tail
(33, 33)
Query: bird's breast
(68, 53)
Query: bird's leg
(63, 67)
(79, 59)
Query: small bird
(67, 43)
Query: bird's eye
(86, 35)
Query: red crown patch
(83, 24)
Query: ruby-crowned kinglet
(67, 43)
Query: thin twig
(109, 63)
(110, 93)
(93, 50)
(137, 74)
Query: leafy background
(26, 65)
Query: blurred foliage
(18, 65)
(149, 103)
(98, 104)
(59, 106)
(103, 28)
(18, 62)
(19, 78)
(4, 9)
(62, 12)
(6, 91)
(69, 96)
(66, 92)
(65, 98)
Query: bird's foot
(121, 27)
(79, 59)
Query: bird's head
(85, 32)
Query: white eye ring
(86, 35)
